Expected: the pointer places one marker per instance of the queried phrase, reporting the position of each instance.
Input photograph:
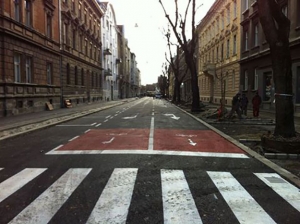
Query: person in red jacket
(256, 101)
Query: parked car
(158, 96)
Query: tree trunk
(194, 83)
(277, 28)
(176, 95)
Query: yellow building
(219, 52)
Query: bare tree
(188, 46)
(276, 27)
(163, 79)
(179, 69)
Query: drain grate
(275, 180)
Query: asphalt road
(141, 162)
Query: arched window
(68, 74)
(76, 76)
(82, 77)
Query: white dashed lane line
(73, 138)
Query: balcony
(107, 72)
(209, 69)
(107, 51)
(118, 60)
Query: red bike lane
(163, 140)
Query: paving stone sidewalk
(19, 124)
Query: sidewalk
(263, 113)
(19, 124)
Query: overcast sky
(147, 40)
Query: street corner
(109, 139)
(194, 141)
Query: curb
(281, 156)
(283, 172)
(51, 122)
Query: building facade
(256, 68)
(121, 67)
(218, 52)
(127, 65)
(134, 72)
(81, 51)
(29, 56)
(110, 57)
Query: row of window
(23, 69)
(77, 8)
(84, 46)
(255, 42)
(216, 55)
(211, 31)
(25, 9)
(96, 79)
(23, 72)
(205, 82)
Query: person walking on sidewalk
(235, 106)
(244, 104)
(256, 101)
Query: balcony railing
(209, 69)
(107, 72)
(107, 51)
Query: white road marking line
(117, 134)
(93, 124)
(244, 207)
(98, 125)
(73, 125)
(1, 168)
(286, 190)
(73, 138)
(154, 152)
(152, 113)
(16, 182)
(42, 209)
(116, 115)
(87, 131)
(113, 204)
(105, 120)
(178, 203)
(111, 117)
(182, 135)
(108, 116)
(117, 112)
(110, 141)
(151, 135)
(53, 150)
(192, 143)
(132, 117)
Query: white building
(109, 52)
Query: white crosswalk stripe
(178, 203)
(287, 191)
(16, 182)
(113, 204)
(48, 203)
(1, 168)
(179, 206)
(236, 197)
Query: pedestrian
(235, 107)
(220, 110)
(244, 104)
(256, 101)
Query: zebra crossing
(178, 202)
